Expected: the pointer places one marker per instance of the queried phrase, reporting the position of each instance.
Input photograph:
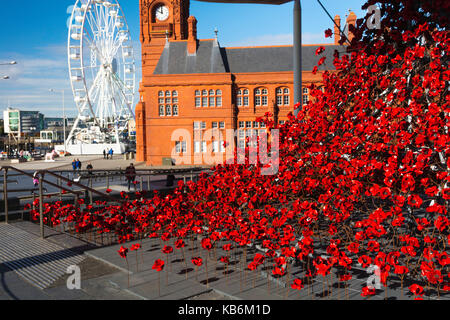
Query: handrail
(46, 181)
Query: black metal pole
(41, 218)
(297, 55)
(5, 192)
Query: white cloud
(43, 69)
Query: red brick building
(195, 84)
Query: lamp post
(64, 117)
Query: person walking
(111, 152)
(36, 179)
(74, 166)
(104, 153)
(89, 168)
(78, 165)
(130, 174)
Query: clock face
(161, 12)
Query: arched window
(166, 100)
(305, 96)
(261, 97)
(175, 110)
(242, 98)
(283, 98)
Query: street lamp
(64, 117)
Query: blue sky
(34, 34)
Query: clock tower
(161, 19)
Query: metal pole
(64, 123)
(297, 55)
(41, 218)
(5, 193)
(90, 192)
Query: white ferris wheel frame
(102, 70)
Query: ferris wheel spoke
(122, 93)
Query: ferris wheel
(102, 72)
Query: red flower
(108, 190)
(167, 249)
(158, 265)
(224, 259)
(353, 247)
(179, 244)
(252, 265)
(227, 247)
(345, 277)
(278, 271)
(365, 261)
(328, 33)
(123, 252)
(366, 291)
(206, 243)
(197, 261)
(297, 285)
(136, 246)
(416, 289)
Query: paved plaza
(37, 272)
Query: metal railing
(84, 188)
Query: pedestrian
(74, 166)
(89, 168)
(104, 153)
(130, 174)
(35, 179)
(78, 165)
(111, 152)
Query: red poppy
(252, 265)
(197, 261)
(179, 244)
(278, 271)
(167, 249)
(158, 265)
(345, 277)
(206, 243)
(224, 259)
(366, 291)
(328, 33)
(416, 289)
(297, 285)
(227, 247)
(123, 252)
(135, 246)
(108, 190)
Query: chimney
(351, 20)
(337, 27)
(192, 36)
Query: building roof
(211, 58)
